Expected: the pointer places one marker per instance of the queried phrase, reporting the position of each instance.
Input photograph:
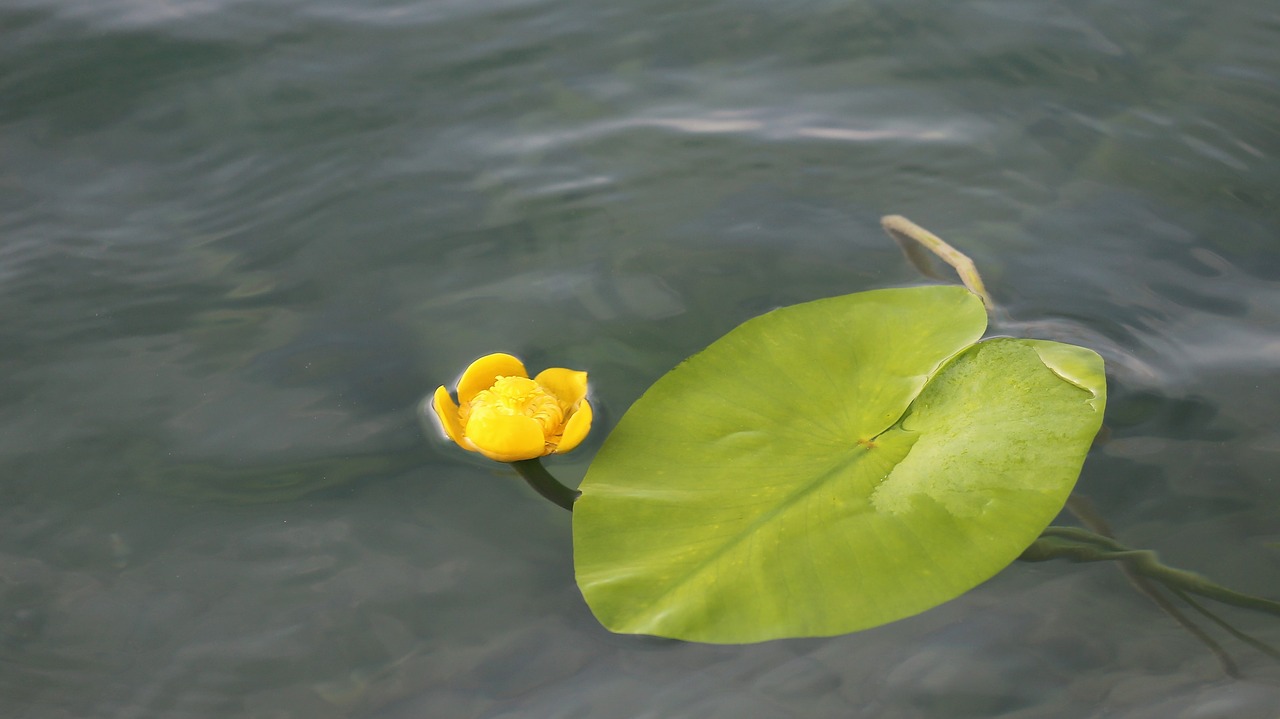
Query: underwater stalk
(543, 483)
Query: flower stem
(543, 483)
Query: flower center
(518, 396)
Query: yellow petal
(481, 374)
(576, 429)
(569, 386)
(506, 438)
(447, 411)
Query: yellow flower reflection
(506, 416)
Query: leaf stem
(1143, 567)
(905, 232)
(1081, 545)
(543, 483)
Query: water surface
(239, 240)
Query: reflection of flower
(506, 416)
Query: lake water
(240, 239)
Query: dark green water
(239, 240)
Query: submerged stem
(1143, 567)
(543, 483)
(1227, 627)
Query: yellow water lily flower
(506, 416)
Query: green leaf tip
(1080, 366)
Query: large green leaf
(829, 467)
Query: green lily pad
(832, 466)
